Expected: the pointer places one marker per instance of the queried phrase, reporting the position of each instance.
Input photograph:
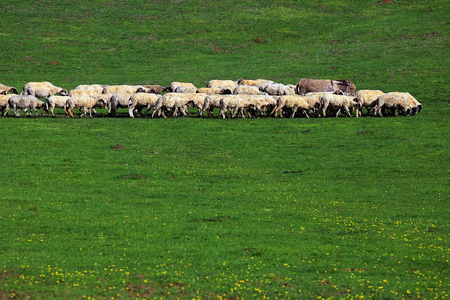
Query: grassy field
(332, 208)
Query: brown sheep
(4, 89)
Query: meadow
(202, 208)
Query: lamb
(54, 101)
(391, 102)
(87, 103)
(7, 89)
(211, 102)
(175, 101)
(187, 87)
(233, 102)
(336, 103)
(125, 89)
(415, 105)
(4, 102)
(139, 101)
(24, 102)
(118, 100)
(367, 99)
(247, 90)
(293, 102)
(42, 89)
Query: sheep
(211, 102)
(83, 93)
(247, 90)
(24, 102)
(85, 102)
(415, 105)
(187, 87)
(4, 102)
(293, 102)
(210, 90)
(277, 89)
(125, 89)
(54, 101)
(336, 103)
(367, 99)
(256, 82)
(229, 85)
(156, 89)
(7, 89)
(42, 89)
(261, 102)
(98, 88)
(140, 100)
(198, 100)
(175, 101)
(391, 102)
(236, 102)
(118, 100)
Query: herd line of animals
(308, 98)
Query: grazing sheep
(261, 102)
(256, 82)
(211, 102)
(42, 89)
(4, 89)
(98, 88)
(233, 102)
(4, 102)
(174, 101)
(124, 89)
(54, 101)
(24, 102)
(337, 102)
(294, 103)
(87, 103)
(139, 101)
(229, 85)
(118, 100)
(188, 87)
(185, 89)
(247, 90)
(367, 99)
(415, 105)
(277, 89)
(391, 103)
(156, 89)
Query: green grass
(204, 208)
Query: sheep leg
(130, 112)
(348, 112)
(295, 110)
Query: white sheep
(54, 101)
(186, 87)
(118, 100)
(139, 101)
(4, 102)
(211, 102)
(174, 101)
(261, 102)
(247, 90)
(337, 103)
(24, 102)
(87, 103)
(367, 99)
(98, 88)
(42, 89)
(234, 102)
(250, 82)
(277, 89)
(124, 89)
(391, 103)
(4, 89)
(294, 103)
(210, 90)
(414, 105)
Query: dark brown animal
(306, 85)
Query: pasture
(322, 208)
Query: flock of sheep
(309, 97)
